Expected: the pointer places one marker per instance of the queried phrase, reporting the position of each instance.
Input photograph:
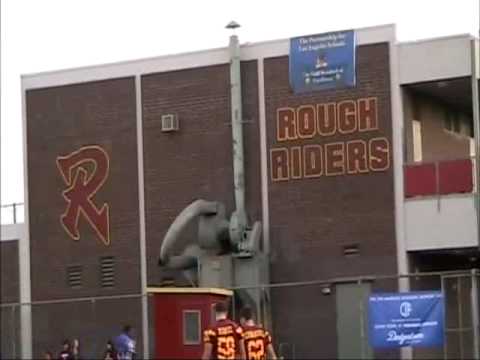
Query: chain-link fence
(315, 319)
(329, 318)
(93, 321)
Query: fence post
(15, 332)
(445, 338)
(475, 315)
(476, 126)
(437, 184)
(460, 315)
(95, 347)
(234, 303)
(362, 323)
(406, 353)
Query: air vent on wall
(170, 123)
(107, 271)
(351, 250)
(74, 276)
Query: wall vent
(351, 250)
(170, 123)
(107, 271)
(74, 276)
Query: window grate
(107, 271)
(74, 276)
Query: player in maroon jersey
(258, 342)
(224, 340)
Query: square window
(417, 140)
(191, 327)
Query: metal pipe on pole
(141, 209)
(238, 222)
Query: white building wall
(12, 232)
(441, 223)
(435, 59)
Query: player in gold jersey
(258, 342)
(224, 340)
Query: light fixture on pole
(232, 25)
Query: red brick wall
(315, 217)
(61, 120)
(196, 161)
(9, 273)
(10, 288)
(311, 219)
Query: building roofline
(189, 290)
(122, 62)
(440, 38)
(244, 46)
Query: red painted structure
(420, 180)
(170, 308)
(455, 177)
(442, 178)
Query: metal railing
(441, 177)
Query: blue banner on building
(323, 61)
(406, 319)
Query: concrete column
(141, 205)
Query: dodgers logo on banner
(323, 61)
(406, 319)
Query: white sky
(41, 35)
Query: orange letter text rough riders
(84, 172)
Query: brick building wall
(10, 293)
(196, 162)
(9, 274)
(60, 121)
(311, 219)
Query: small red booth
(181, 315)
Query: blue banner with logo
(323, 61)
(406, 319)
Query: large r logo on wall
(84, 172)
